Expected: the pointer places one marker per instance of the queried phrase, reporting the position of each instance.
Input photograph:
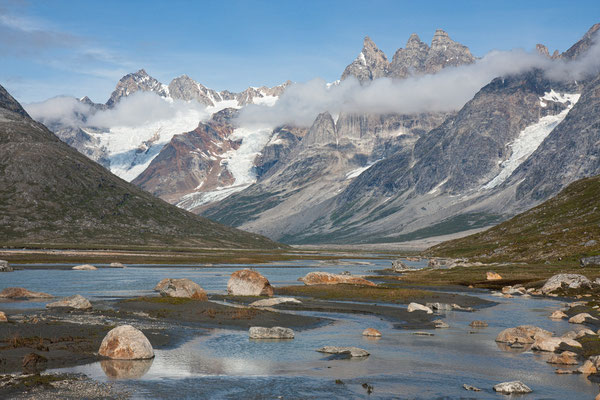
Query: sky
(79, 48)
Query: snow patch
(531, 137)
(356, 172)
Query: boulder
(522, 334)
(440, 306)
(352, 351)
(587, 368)
(492, 276)
(274, 301)
(247, 282)
(478, 324)
(419, 307)
(183, 288)
(126, 343)
(585, 332)
(552, 344)
(326, 278)
(4, 267)
(22, 293)
(565, 281)
(515, 387)
(371, 332)
(76, 302)
(590, 261)
(580, 318)
(84, 267)
(116, 265)
(276, 332)
(564, 358)
(3, 317)
(558, 314)
(162, 284)
(34, 363)
(400, 266)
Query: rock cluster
(565, 281)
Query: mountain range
(355, 177)
(53, 195)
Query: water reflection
(126, 369)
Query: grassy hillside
(565, 228)
(52, 195)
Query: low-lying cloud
(447, 90)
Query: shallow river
(220, 363)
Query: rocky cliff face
(415, 59)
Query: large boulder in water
(183, 288)
(326, 278)
(4, 267)
(22, 293)
(126, 343)
(76, 302)
(522, 334)
(565, 281)
(247, 282)
(515, 387)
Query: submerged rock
(247, 282)
(76, 302)
(565, 281)
(84, 267)
(183, 288)
(419, 307)
(522, 334)
(126, 343)
(274, 301)
(352, 351)
(471, 388)
(515, 387)
(478, 324)
(371, 332)
(276, 332)
(4, 267)
(326, 278)
(22, 293)
(440, 324)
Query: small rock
(22, 293)
(126, 343)
(84, 267)
(587, 368)
(183, 288)
(522, 334)
(478, 324)
(440, 324)
(274, 301)
(326, 278)
(558, 314)
(563, 371)
(418, 333)
(276, 332)
(492, 276)
(353, 351)
(471, 388)
(564, 358)
(4, 267)
(34, 363)
(116, 265)
(3, 317)
(507, 296)
(247, 282)
(419, 307)
(371, 332)
(552, 344)
(580, 318)
(515, 387)
(76, 302)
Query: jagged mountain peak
(583, 44)
(322, 131)
(9, 103)
(414, 42)
(134, 82)
(371, 63)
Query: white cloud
(59, 110)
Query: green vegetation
(564, 228)
(355, 293)
(162, 300)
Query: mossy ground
(355, 293)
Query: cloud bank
(447, 90)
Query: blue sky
(79, 48)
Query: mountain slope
(566, 226)
(52, 194)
